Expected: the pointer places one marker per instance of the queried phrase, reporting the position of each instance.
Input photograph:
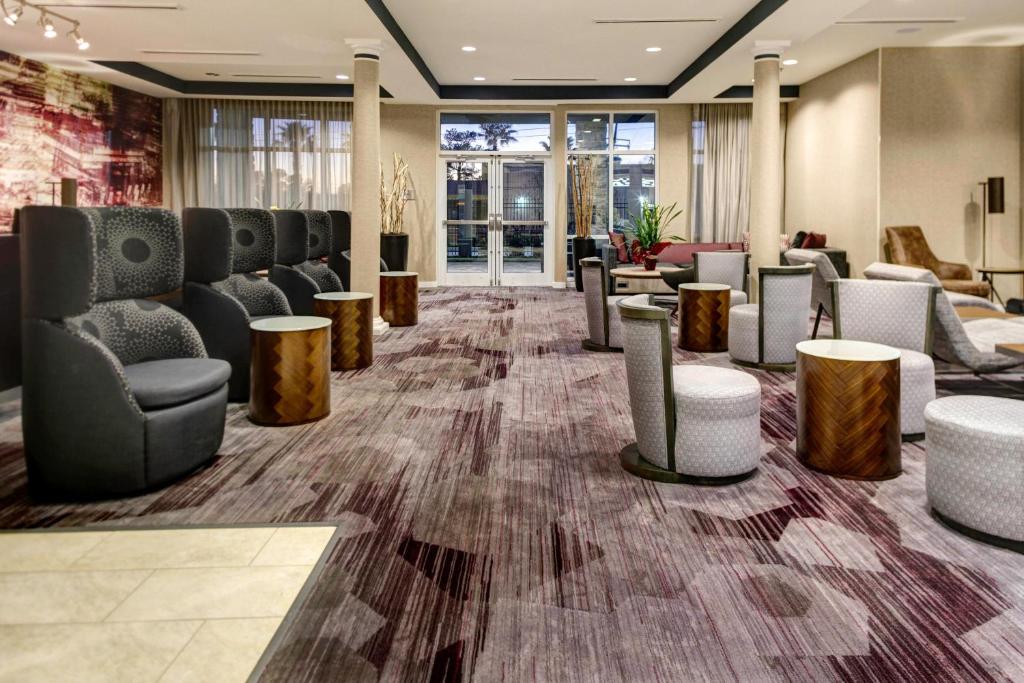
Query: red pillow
(618, 240)
(814, 240)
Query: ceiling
(526, 39)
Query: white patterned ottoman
(975, 467)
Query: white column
(365, 267)
(765, 160)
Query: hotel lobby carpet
(487, 532)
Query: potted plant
(649, 228)
(394, 242)
(581, 177)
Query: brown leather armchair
(908, 247)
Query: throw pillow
(814, 240)
(618, 241)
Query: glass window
(503, 132)
(632, 186)
(634, 132)
(587, 132)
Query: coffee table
(290, 370)
(643, 280)
(351, 315)
(704, 317)
(975, 312)
(1012, 350)
(848, 408)
(399, 297)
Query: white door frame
(494, 275)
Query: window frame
(451, 153)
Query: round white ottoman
(743, 333)
(917, 390)
(974, 470)
(718, 423)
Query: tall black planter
(394, 249)
(582, 247)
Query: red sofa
(681, 253)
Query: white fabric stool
(917, 390)
(974, 471)
(718, 421)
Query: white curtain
(720, 196)
(257, 153)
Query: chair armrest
(954, 271)
(297, 286)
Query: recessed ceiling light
(629, 79)
(479, 78)
(790, 62)
(654, 49)
(341, 77)
(468, 48)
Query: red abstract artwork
(57, 124)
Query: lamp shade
(996, 202)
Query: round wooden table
(290, 370)
(351, 315)
(399, 297)
(848, 408)
(644, 280)
(704, 317)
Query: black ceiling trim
(761, 11)
(235, 88)
(746, 92)
(381, 10)
(552, 92)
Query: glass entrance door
(496, 225)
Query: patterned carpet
(488, 532)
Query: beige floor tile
(171, 548)
(56, 597)
(295, 546)
(91, 652)
(221, 593)
(223, 651)
(40, 552)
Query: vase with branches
(581, 180)
(394, 242)
(649, 230)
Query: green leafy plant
(650, 225)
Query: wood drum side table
(848, 408)
(704, 317)
(351, 315)
(399, 297)
(290, 370)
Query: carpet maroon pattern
(487, 531)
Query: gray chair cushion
(254, 240)
(162, 383)
(319, 233)
(140, 330)
(139, 252)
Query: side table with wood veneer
(351, 315)
(399, 297)
(848, 408)
(704, 317)
(290, 370)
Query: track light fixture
(14, 9)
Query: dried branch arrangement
(392, 203)
(581, 175)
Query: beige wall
(951, 117)
(832, 160)
(411, 130)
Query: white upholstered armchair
(897, 314)
(694, 424)
(765, 334)
(724, 268)
(821, 284)
(602, 317)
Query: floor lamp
(992, 202)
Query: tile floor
(165, 605)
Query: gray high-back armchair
(765, 334)
(730, 268)
(341, 240)
(223, 249)
(821, 285)
(118, 395)
(320, 246)
(292, 234)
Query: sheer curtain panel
(257, 153)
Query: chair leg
(817, 321)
